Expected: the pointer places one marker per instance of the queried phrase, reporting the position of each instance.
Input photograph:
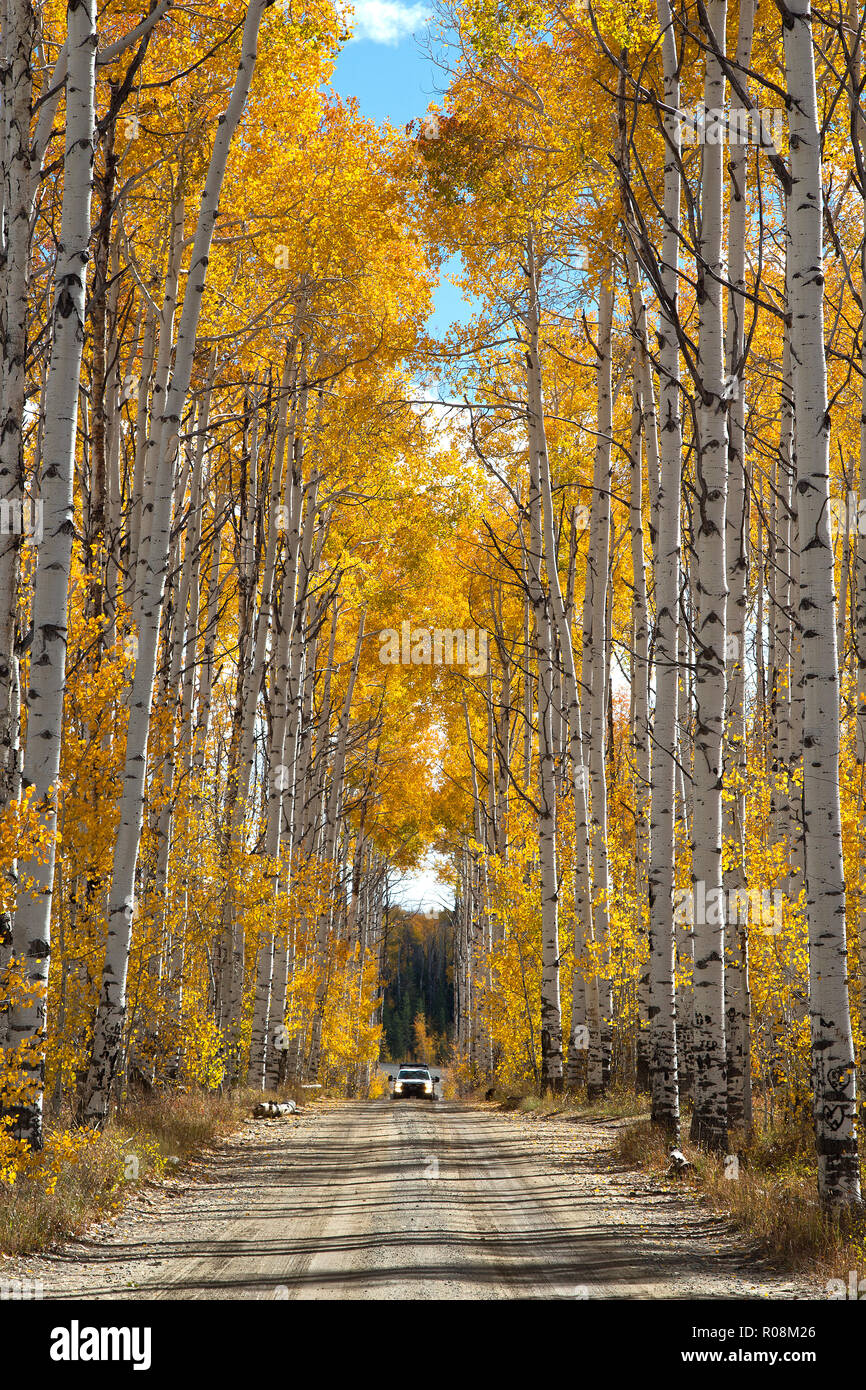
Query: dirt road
(376, 1200)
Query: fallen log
(272, 1109)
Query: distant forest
(418, 1010)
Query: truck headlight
(428, 1085)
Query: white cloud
(425, 889)
(387, 21)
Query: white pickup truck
(413, 1081)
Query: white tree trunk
(584, 997)
(640, 698)
(18, 39)
(112, 1000)
(50, 601)
(737, 1012)
(597, 578)
(709, 1118)
(332, 806)
(551, 1014)
(833, 1064)
(859, 576)
(278, 775)
(663, 1046)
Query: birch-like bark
(503, 748)
(19, 26)
(475, 919)
(303, 662)
(187, 744)
(737, 1004)
(175, 696)
(585, 1014)
(858, 600)
(783, 752)
(206, 666)
(252, 687)
(528, 682)
(640, 704)
(150, 476)
(684, 929)
(59, 78)
(597, 577)
(329, 840)
(32, 933)
(278, 775)
(237, 769)
(141, 430)
(294, 600)
(833, 1063)
(663, 1046)
(709, 1117)
(551, 1014)
(112, 1000)
(18, 38)
(643, 424)
(97, 512)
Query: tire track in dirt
(382, 1200)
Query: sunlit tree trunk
(18, 31)
(551, 1015)
(709, 1118)
(18, 39)
(50, 601)
(859, 575)
(279, 776)
(150, 462)
(663, 1047)
(112, 1000)
(833, 1064)
(783, 792)
(577, 1045)
(148, 347)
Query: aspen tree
(599, 555)
(328, 849)
(585, 995)
(639, 682)
(551, 1016)
(663, 1042)
(833, 1063)
(737, 1004)
(709, 1118)
(32, 933)
(278, 775)
(112, 1006)
(18, 41)
(855, 64)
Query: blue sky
(383, 65)
(393, 79)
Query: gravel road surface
(385, 1200)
